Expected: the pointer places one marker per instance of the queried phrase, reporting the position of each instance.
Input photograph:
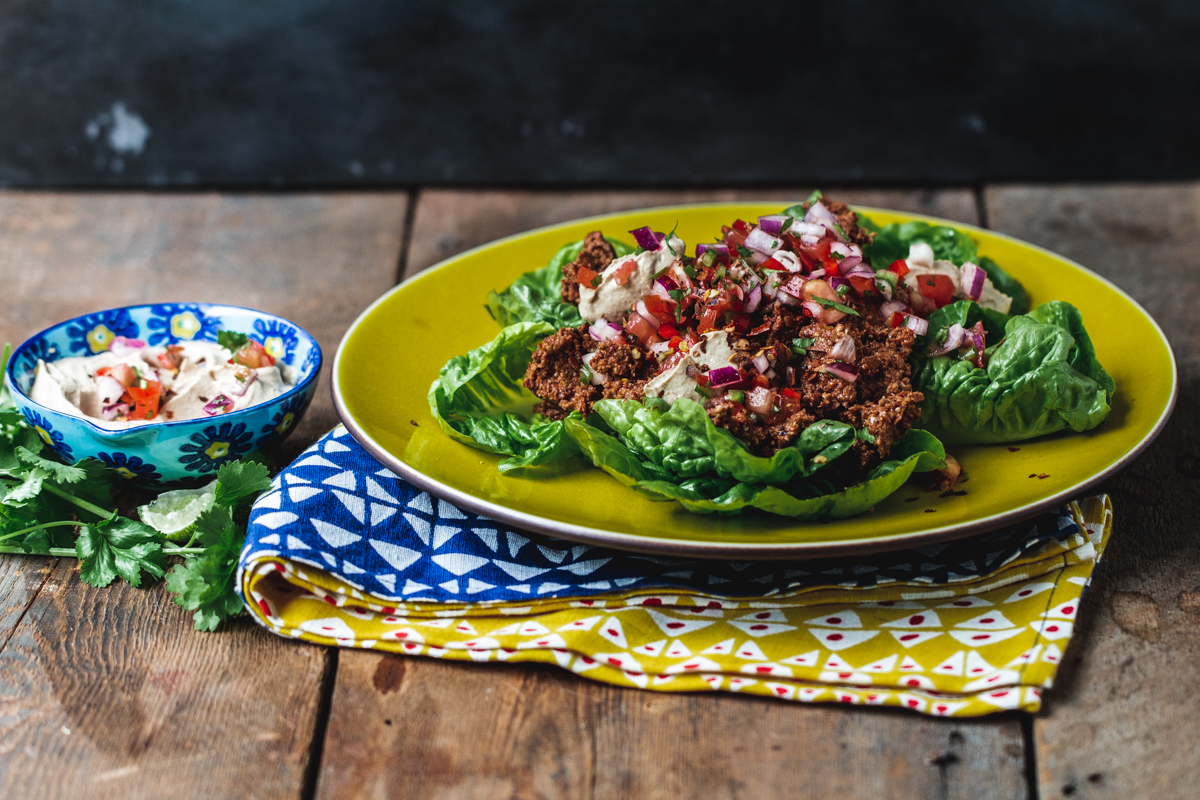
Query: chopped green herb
(800, 346)
(840, 231)
(814, 197)
(585, 375)
(843, 289)
(677, 295)
(836, 256)
(744, 253)
(668, 239)
(232, 340)
(821, 301)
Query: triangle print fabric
(343, 552)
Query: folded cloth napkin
(343, 552)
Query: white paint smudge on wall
(126, 131)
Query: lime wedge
(174, 513)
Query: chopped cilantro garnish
(836, 256)
(814, 197)
(800, 346)
(232, 340)
(840, 231)
(585, 375)
(744, 253)
(668, 239)
(843, 289)
(821, 301)
(677, 295)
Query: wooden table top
(110, 693)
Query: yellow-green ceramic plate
(395, 349)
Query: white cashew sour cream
(205, 374)
(610, 301)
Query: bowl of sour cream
(165, 393)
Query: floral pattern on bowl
(179, 452)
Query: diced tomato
(762, 380)
(659, 307)
(791, 393)
(585, 276)
(794, 286)
(670, 361)
(896, 319)
(253, 355)
(640, 327)
(667, 332)
(814, 256)
(701, 379)
(741, 323)
(123, 373)
(899, 266)
(165, 361)
(862, 284)
(938, 288)
(622, 273)
(675, 342)
(772, 264)
(742, 226)
(145, 401)
(709, 320)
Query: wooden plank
(457, 730)
(153, 708)
(1125, 715)
(448, 221)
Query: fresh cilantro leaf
(29, 488)
(821, 301)
(843, 290)
(840, 231)
(800, 345)
(206, 583)
(238, 480)
(836, 256)
(121, 547)
(211, 524)
(585, 375)
(232, 340)
(62, 473)
(744, 252)
(668, 239)
(814, 197)
(787, 225)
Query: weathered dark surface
(533, 92)
(1124, 717)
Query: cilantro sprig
(821, 301)
(232, 340)
(51, 508)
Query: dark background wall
(269, 93)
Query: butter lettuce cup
(135, 425)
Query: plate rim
(751, 550)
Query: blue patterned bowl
(182, 452)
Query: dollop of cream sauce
(675, 384)
(69, 384)
(610, 301)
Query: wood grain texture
(451, 730)
(154, 708)
(1125, 716)
(449, 221)
(472, 731)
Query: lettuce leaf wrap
(665, 454)
(1041, 377)
(535, 297)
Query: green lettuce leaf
(802, 498)
(534, 297)
(686, 443)
(1042, 378)
(478, 399)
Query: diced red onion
(760, 399)
(751, 280)
(723, 376)
(109, 413)
(789, 260)
(218, 405)
(972, 280)
(810, 239)
(789, 300)
(718, 247)
(753, 301)
(651, 318)
(761, 363)
(814, 309)
(954, 340)
(603, 330)
(762, 242)
(851, 256)
(847, 372)
(844, 349)
(244, 386)
(802, 228)
(658, 348)
(646, 239)
(658, 290)
(978, 338)
(891, 307)
(860, 272)
(819, 214)
(666, 282)
(920, 254)
(837, 281)
(122, 346)
(817, 273)
(757, 258)
(917, 325)
(772, 223)
(108, 390)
